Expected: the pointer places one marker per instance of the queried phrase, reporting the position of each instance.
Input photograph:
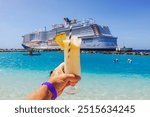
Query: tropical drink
(72, 55)
(72, 59)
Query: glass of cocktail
(72, 59)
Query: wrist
(51, 89)
(47, 93)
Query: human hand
(60, 80)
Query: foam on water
(101, 77)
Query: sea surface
(101, 77)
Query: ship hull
(98, 49)
(99, 43)
(52, 48)
(96, 43)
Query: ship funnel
(66, 19)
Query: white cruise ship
(94, 36)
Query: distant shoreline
(134, 52)
(25, 50)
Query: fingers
(58, 71)
(72, 83)
(72, 78)
(60, 68)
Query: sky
(129, 20)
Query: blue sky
(129, 20)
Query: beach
(101, 77)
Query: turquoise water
(101, 77)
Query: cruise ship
(93, 36)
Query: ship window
(88, 40)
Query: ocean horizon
(101, 78)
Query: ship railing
(88, 21)
(108, 35)
(54, 26)
(84, 22)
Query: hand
(60, 80)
